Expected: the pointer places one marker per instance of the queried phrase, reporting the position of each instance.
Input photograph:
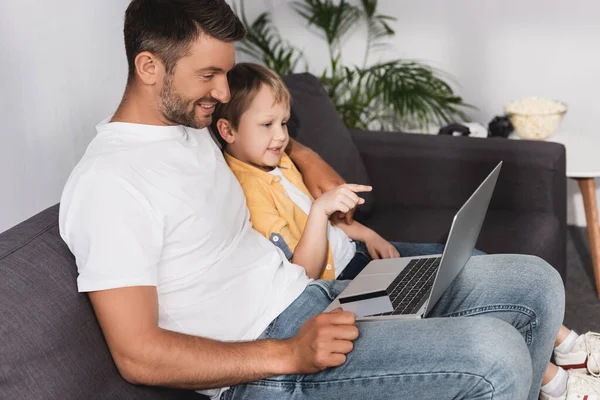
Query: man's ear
(225, 130)
(149, 68)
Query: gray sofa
(52, 346)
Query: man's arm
(147, 354)
(318, 176)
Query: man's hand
(343, 199)
(380, 248)
(322, 342)
(318, 176)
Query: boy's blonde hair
(245, 81)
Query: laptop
(410, 287)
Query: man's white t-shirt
(158, 206)
(342, 247)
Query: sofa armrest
(432, 171)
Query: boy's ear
(225, 130)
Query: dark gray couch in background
(51, 346)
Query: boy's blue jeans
(490, 336)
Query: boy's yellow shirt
(272, 212)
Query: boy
(253, 127)
(253, 130)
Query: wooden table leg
(588, 190)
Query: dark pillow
(316, 123)
(52, 346)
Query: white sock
(568, 343)
(557, 385)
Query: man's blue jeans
(490, 336)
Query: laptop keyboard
(409, 291)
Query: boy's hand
(318, 176)
(379, 248)
(343, 198)
(325, 180)
(322, 342)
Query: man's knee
(545, 283)
(548, 275)
(500, 355)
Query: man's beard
(175, 107)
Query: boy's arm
(312, 248)
(356, 231)
(309, 250)
(318, 176)
(377, 246)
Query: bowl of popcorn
(535, 117)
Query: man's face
(189, 94)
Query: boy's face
(262, 134)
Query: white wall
(497, 51)
(62, 70)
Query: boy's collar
(239, 166)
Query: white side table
(583, 165)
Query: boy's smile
(275, 150)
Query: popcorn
(535, 117)
(535, 105)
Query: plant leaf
(333, 19)
(264, 43)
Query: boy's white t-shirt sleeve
(113, 232)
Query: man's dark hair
(167, 28)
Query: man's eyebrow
(210, 69)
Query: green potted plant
(391, 95)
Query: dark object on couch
(454, 128)
(500, 126)
(52, 346)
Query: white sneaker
(579, 387)
(584, 356)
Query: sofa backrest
(316, 123)
(51, 345)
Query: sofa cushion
(502, 231)
(316, 123)
(52, 346)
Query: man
(183, 286)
